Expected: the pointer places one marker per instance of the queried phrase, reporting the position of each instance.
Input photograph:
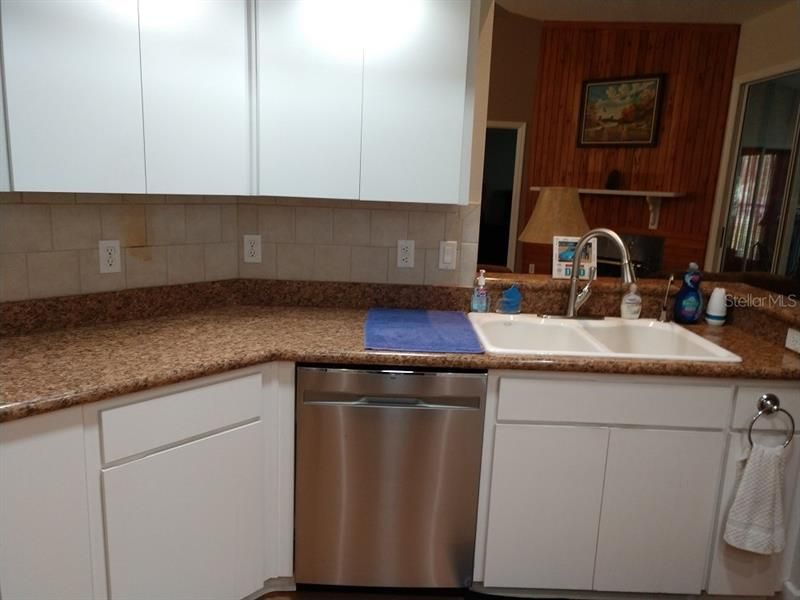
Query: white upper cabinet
(415, 93)
(350, 99)
(196, 95)
(309, 99)
(74, 95)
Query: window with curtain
(757, 199)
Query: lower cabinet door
(658, 510)
(186, 523)
(44, 526)
(738, 572)
(544, 506)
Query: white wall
(769, 40)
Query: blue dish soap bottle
(689, 301)
(480, 298)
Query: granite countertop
(41, 372)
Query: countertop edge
(26, 408)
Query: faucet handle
(586, 291)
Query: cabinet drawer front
(653, 404)
(142, 426)
(747, 407)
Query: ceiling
(643, 11)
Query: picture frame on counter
(563, 253)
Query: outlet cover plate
(405, 254)
(793, 340)
(252, 249)
(110, 261)
(448, 255)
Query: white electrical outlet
(405, 254)
(448, 255)
(793, 340)
(109, 256)
(252, 248)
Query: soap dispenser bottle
(631, 305)
(689, 300)
(480, 298)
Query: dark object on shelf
(614, 180)
(646, 253)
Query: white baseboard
(791, 591)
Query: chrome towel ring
(768, 404)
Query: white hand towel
(755, 520)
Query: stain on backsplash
(48, 242)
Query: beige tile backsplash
(25, 228)
(75, 227)
(145, 266)
(53, 273)
(203, 224)
(48, 242)
(125, 223)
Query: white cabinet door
(658, 510)
(309, 98)
(44, 523)
(738, 572)
(196, 94)
(74, 95)
(5, 178)
(544, 506)
(415, 88)
(188, 522)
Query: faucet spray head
(628, 274)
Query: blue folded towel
(420, 331)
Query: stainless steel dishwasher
(388, 463)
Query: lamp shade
(558, 212)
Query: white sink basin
(530, 335)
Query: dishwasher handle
(451, 403)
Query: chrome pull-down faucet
(576, 299)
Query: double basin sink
(648, 339)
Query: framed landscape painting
(620, 112)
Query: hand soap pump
(631, 305)
(480, 298)
(689, 300)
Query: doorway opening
(762, 229)
(502, 180)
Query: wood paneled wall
(698, 61)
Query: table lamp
(557, 212)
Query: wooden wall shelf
(653, 199)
